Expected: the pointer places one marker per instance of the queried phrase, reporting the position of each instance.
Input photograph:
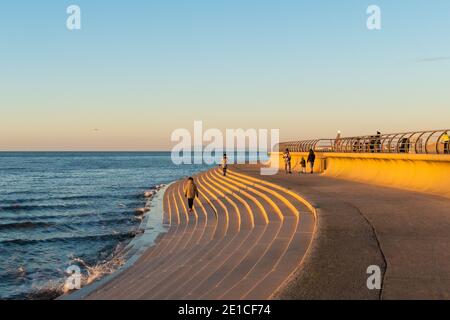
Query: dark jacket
(311, 156)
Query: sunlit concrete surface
(292, 236)
(244, 240)
(428, 173)
(405, 233)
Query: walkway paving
(406, 233)
(258, 239)
(244, 240)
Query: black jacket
(311, 157)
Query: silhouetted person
(446, 140)
(404, 145)
(303, 165)
(378, 142)
(287, 161)
(372, 144)
(337, 142)
(311, 159)
(224, 164)
(190, 192)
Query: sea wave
(68, 224)
(56, 216)
(90, 273)
(58, 198)
(18, 207)
(25, 225)
(104, 237)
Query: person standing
(287, 161)
(224, 164)
(303, 165)
(190, 192)
(311, 159)
(337, 141)
(445, 140)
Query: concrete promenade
(244, 240)
(404, 232)
(292, 237)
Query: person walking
(445, 140)
(190, 192)
(287, 161)
(311, 159)
(224, 164)
(303, 165)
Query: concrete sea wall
(428, 173)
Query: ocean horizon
(62, 208)
(59, 209)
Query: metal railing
(417, 142)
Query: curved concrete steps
(243, 241)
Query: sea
(59, 209)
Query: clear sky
(137, 70)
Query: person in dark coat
(311, 159)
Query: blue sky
(139, 69)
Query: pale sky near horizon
(137, 70)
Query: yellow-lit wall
(423, 173)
